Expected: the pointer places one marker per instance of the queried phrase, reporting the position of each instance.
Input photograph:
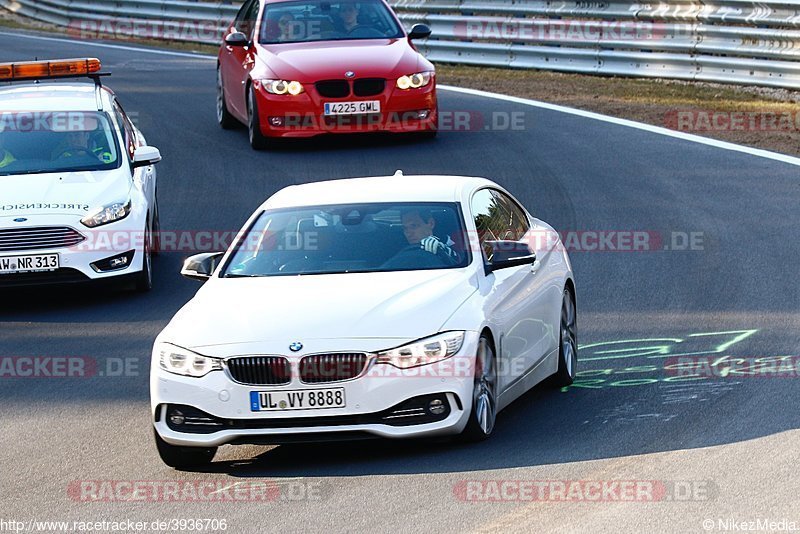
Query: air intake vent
(333, 88)
(331, 367)
(38, 238)
(260, 370)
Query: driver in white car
(81, 142)
(418, 227)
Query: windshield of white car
(304, 21)
(361, 238)
(46, 142)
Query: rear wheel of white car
(224, 117)
(484, 394)
(143, 280)
(183, 457)
(258, 141)
(568, 342)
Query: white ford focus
(77, 182)
(374, 307)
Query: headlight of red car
(414, 81)
(282, 87)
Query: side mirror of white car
(201, 266)
(146, 155)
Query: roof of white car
(48, 97)
(397, 188)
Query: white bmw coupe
(390, 307)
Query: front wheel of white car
(183, 457)
(484, 394)
(143, 280)
(568, 342)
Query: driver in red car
(418, 228)
(348, 17)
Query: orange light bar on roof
(36, 70)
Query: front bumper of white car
(383, 401)
(84, 254)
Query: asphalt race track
(730, 437)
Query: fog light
(276, 121)
(114, 263)
(436, 407)
(176, 418)
(118, 262)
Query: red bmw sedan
(300, 68)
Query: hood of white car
(64, 193)
(399, 305)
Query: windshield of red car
(304, 21)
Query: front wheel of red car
(224, 117)
(258, 141)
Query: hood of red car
(310, 62)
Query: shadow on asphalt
(543, 427)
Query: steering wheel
(369, 30)
(73, 150)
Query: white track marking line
(106, 45)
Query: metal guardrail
(735, 41)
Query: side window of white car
(128, 131)
(517, 225)
(489, 220)
(497, 218)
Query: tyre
(258, 141)
(183, 457)
(568, 342)
(224, 117)
(156, 249)
(484, 394)
(143, 280)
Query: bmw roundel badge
(296, 346)
(20, 219)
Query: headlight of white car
(424, 351)
(180, 361)
(414, 81)
(107, 214)
(283, 87)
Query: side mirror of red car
(419, 31)
(236, 39)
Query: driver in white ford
(77, 181)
